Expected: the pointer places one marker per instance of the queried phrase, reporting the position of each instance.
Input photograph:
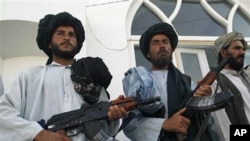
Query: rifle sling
(203, 127)
(125, 121)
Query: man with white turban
(235, 78)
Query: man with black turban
(234, 77)
(162, 121)
(64, 84)
(49, 24)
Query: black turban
(159, 28)
(48, 25)
(87, 75)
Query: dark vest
(235, 110)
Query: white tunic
(38, 93)
(160, 78)
(222, 122)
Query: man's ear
(223, 52)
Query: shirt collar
(232, 72)
(53, 63)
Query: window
(198, 24)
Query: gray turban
(159, 28)
(225, 40)
(48, 25)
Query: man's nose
(243, 51)
(66, 37)
(162, 44)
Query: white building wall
(106, 38)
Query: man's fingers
(115, 112)
(180, 112)
(204, 90)
(62, 132)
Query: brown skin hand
(46, 135)
(177, 123)
(115, 112)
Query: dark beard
(162, 61)
(233, 64)
(63, 54)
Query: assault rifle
(211, 103)
(86, 118)
(207, 104)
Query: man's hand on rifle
(203, 90)
(177, 123)
(46, 135)
(115, 112)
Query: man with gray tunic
(64, 84)
(162, 121)
(233, 77)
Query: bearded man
(63, 85)
(235, 78)
(163, 120)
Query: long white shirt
(222, 122)
(38, 93)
